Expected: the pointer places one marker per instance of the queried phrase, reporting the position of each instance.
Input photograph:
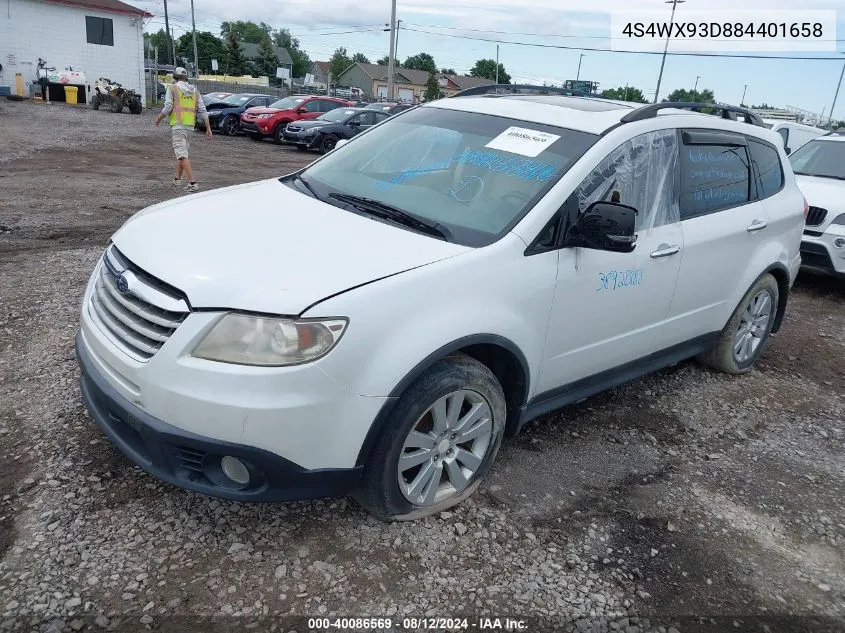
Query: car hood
(306, 125)
(265, 247)
(827, 193)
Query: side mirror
(302, 110)
(341, 142)
(608, 226)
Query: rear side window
(713, 177)
(768, 173)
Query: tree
(360, 58)
(209, 47)
(160, 40)
(696, 96)
(448, 71)
(421, 61)
(246, 31)
(339, 62)
(235, 62)
(384, 61)
(762, 106)
(486, 68)
(432, 88)
(625, 93)
(267, 61)
(301, 61)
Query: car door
(723, 225)
(312, 109)
(608, 307)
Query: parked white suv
(820, 171)
(375, 323)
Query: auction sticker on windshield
(521, 140)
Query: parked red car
(258, 123)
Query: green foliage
(360, 58)
(448, 71)
(246, 31)
(301, 61)
(160, 40)
(625, 93)
(696, 96)
(432, 88)
(209, 47)
(339, 62)
(384, 61)
(487, 68)
(421, 61)
(235, 62)
(267, 61)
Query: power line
(608, 50)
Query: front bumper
(191, 461)
(300, 139)
(252, 127)
(820, 252)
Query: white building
(100, 38)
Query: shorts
(180, 143)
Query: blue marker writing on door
(617, 279)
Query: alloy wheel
(753, 326)
(445, 448)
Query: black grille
(816, 256)
(816, 216)
(189, 458)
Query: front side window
(313, 106)
(474, 174)
(823, 159)
(99, 30)
(641, 174)
(768, 171)
(713, 177)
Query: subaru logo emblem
(122, 284)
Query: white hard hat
(180, 72)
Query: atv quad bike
(111, 93)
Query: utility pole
(194, 35)
(695, 89)
(396, 46)
(835, 96)
(497, 64)
(391, 62)
(172, 46)
(578, 74)
(743, 95)
(674, 4)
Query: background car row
(305, 121)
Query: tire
(95, 101)
(279, 132)
(458, 466)
(115, 105)
(230, 125)
(328, 143)
(135, 106)
(760, 300)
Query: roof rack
(496, 90)
(725, 111)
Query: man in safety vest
(183, 104)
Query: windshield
(337, 115)
(288, 103)
(475, 174)
(237, 100)
(825, 159)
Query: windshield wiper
(307, 185)
(388, 212)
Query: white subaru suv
(819, 168)
(375, 323)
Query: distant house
(94, 38)
(252, 52)
(409, 84)
(320, 72)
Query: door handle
(757, 225)
(664, 250)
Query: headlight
(214, 113)
(254, 340)
(839, 219)
(264, 116)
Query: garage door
(382, 92)
(406, 95)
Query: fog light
(839, 242)
(235, 470)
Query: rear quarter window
(713, 177)
(768, 171)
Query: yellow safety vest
(184, 108)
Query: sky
(443, 28)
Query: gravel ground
(684, 494)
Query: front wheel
(95, 101)
(135, 106)
(115, 105)
(328, 143)
(279, 133)
(229, 126)
(438, 442)
(742, 341)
